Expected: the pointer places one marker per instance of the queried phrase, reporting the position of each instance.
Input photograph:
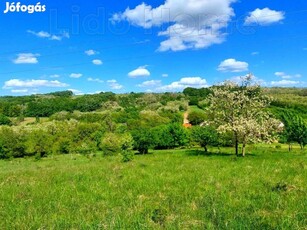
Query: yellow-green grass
(173, 189)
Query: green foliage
(111, 144)
(4, 120)
(143, 140)
(205, 136)
(196, 117)
(38, 142)
(295, 129)
(170, 136)
(127, 148)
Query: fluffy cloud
(97, 62)
(195, 82)
(26, 58)
(75, 75)
(284, 83)
(283, 75)
(17, 83)
(232, 65)
(152, 83)
(264, 17)
(43, 34)
(76, 91)
(195, 24)
(165, 75)
(91, 52)
(113, 84)
(55, 76)
(95, 80)
(139, 72)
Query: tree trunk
(237, 145)
(206, 149)
(243, 149)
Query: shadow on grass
(210, 154)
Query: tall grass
(181, 189)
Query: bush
(196, 118)
(4, 120)
(110, 144)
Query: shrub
(4, 120)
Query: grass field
(175, 189)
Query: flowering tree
(239, 108)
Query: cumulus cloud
(232, 65)
(152, 83)
(17, 83)
(195, 82)
(283, 75)
(139, 72)
(75, 75)
(113, 84)
(264, 17)
(165, 75)
(192, 24)
(97, 62)
(44, 34)
(91, 52)
(26, 58)
(95, 80)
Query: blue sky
(151, 46)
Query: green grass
(182, 189)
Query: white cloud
(75, 75)
(55, 76)
(152, 83)
(255, 53)
(192, 24)
(76, 91)
(17, 83)
(95, 80)
(165, 75)
(19, 90)
(113, 84)
(97, 62)
(232, 65)
(139, 72)
(283, 75)
(195, 82)
(43, 34)
(26, 58)
(264, 17)
(284, 83)
(91, 52)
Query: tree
(4, 120)
(240, 109)
(295, 129)
(205, 136)
(196, 117)
(143, 140)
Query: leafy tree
(143, 140)
(205, 136)
(127, 147)
(295, 129)
(38, 143)
(170, 136)
(4, 120)
(240, 109)
(196, 117)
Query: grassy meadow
(175, 189)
